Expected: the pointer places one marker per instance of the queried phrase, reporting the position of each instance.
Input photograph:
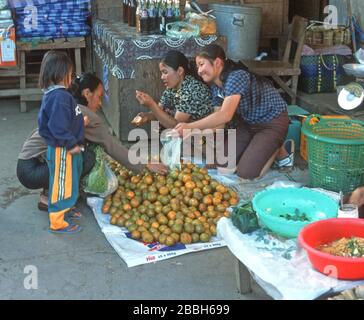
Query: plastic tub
(326, 231)
(271, 203)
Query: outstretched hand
(157, 168)
(144, 98)
(140, 119)
(180, 127)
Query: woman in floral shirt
(185, 99)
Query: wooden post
(78, 61)
(352, 30)
(243, 277)
(23, 104)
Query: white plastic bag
(171, 152)
(101, 181)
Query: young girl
(61, 124)
(259, 110)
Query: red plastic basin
(326, 231)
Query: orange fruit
(218, 195)
(190, 185)
(191, 215)
(186, 177)
(207, 200)
(163, 191)
(221, 188)
(233, 201)
(216, 201)
(197, 214)
(202, 207)
(134, 203)
(186, 238)
(148, 180)
(105, 209)
(135, 179)
(136, 235)
(155, 225)
(171, 215)
(127, 207)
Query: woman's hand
(74, 150)
(157, 168)
(182, 126)
(140, 119)
(86, 121)
(144, 99)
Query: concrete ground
(85, 266)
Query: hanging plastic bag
(206, 24)
(101, 181)
(171, 152)
(182, 29)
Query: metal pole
(352, 29)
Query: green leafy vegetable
(244, 218)
(297, 216)
(96, 181)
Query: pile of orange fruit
(182, 206)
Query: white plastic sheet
(278, 265)
(135, 253)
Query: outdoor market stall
(128, 61)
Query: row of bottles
(151, 16)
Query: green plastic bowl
(271, 203)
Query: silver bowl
(354, 69)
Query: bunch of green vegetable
(96, 181)
(356, 249)
(244, 218)
(297, 216)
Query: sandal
(74, 214)
(289, 160)
(42, 206)
(72, 228)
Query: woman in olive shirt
(185, 98)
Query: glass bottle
(132, 13)
(137, 16)
(151, 16)
(176, 11)
(143, 18)
(125, 11)
(169, 12)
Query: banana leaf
(244, 218)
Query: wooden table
(29, 93)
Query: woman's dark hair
(175, 59)
(213, 51)
(86, 81)
(55, 67)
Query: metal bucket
(241, 26)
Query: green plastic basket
(335, 153)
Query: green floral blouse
(193, 97)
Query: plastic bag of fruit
(101, 181)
